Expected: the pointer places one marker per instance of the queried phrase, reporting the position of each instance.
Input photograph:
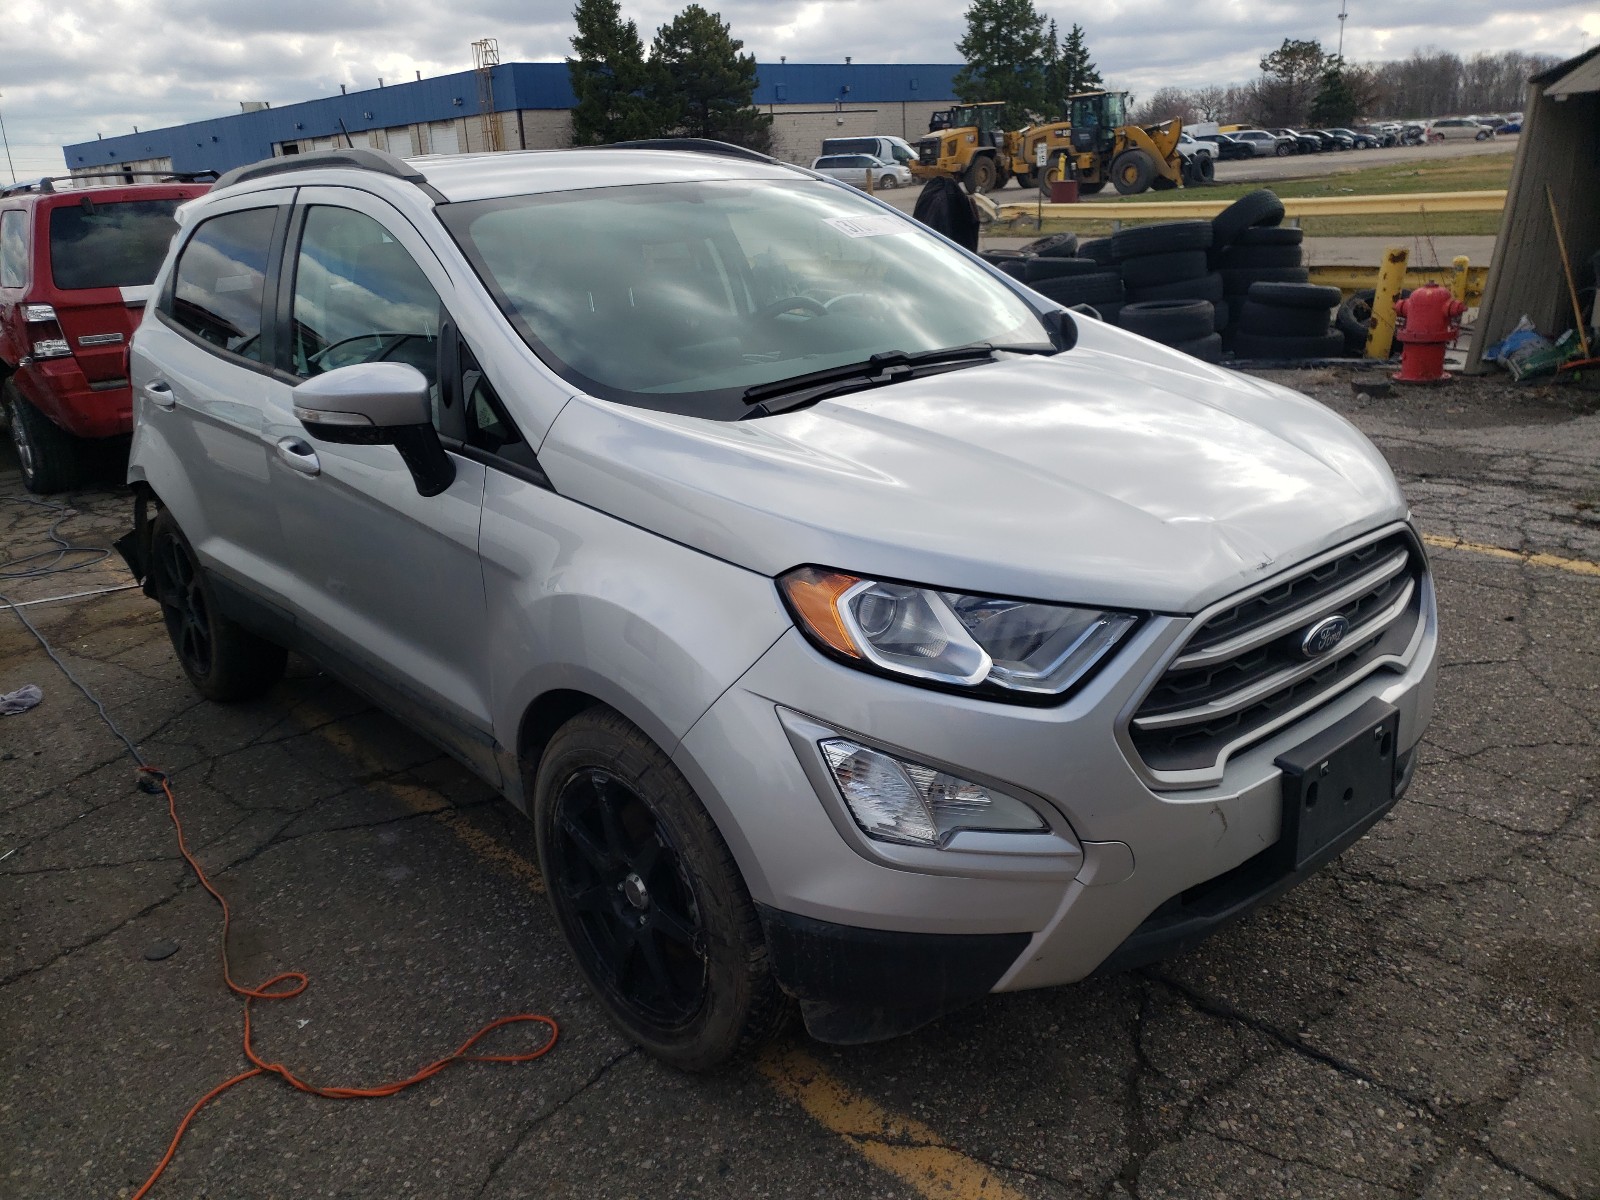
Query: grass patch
(1486, 172)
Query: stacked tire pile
(1272, 311)
(1052, 267)
(1172, 293)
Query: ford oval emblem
(1324, 636)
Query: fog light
(896, 800)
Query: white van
(889, 149)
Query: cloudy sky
(72, 68)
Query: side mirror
(1063, 329)
(378, 404)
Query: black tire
(888, 183)
(1255, 345)
(1000, 256)
(1057, 245)
(1109, 311)
(1132, 171)
(1162, 184)
(1089, 189)
(1224, 316)
(1148, 270)
(1270, 235)
(1082, 289)
(1353, 321)
(1017, 268)
(1206, 287)
(1283, 150)
(981, 175)
(1295, 295)
(223, 660)
(1034, 269)
(1101, 251)
(52, 460)
(1206, 349)
(649, 897)
(1165, 238)
(1205, 169)
(1244, 258)
(1480, 137)
(1237, 283)
(1169, 321)
(1260, 207)
(1271, 320)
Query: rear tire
(52, 459)
(222, 659)
(650, 900)
(981, 175)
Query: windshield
(682, 296)
(120, 244)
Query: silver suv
(855, 626)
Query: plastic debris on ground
(21, 700)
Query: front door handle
(160, 394)
(298, 455)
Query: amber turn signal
(813, 594)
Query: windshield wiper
(891, 366)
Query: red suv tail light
(44, 332)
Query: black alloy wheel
(222, 659)
(184, 605)
(621, 884)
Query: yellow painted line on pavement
(1577, 566)
(907, 1149)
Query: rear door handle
(160, 394)
(298, 455)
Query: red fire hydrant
(1430, 319)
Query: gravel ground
(1417, 1021)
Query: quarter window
(220, 280)
(13, 248)
(360, 297)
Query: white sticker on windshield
(867, 226)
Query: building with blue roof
(524, 106)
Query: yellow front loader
(1104, 148)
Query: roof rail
(46, 184)
(354, 157)
(699, 145)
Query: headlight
(1007, 648)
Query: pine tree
(608, 77)
(702, 85)
(1336, 102)
(1054, 77)
(1290, 78)
(1078, 72)
(1006, 56)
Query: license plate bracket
(1334, 781)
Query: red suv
(75, 270)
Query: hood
(1119, 474)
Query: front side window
(359, 296)
(121, 244)
(13, 248)
(682, 296)
(220, 280)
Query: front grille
(1242, 672)
(928, 153)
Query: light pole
(1342, 16)
(3, 138)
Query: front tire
(1132, 172)
(52, 460)
(222, 659)
(650, 900)
(981, 175)
(888, 183)
(1283, 151)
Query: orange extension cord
(293, 983)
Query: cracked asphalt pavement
(1419, 1020)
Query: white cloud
(73, 68)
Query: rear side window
(121, 244)
(220, 279)
(13, 248)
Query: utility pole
(3, 138)
(1342, 15)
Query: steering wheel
(788, 304)
(847, 299)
